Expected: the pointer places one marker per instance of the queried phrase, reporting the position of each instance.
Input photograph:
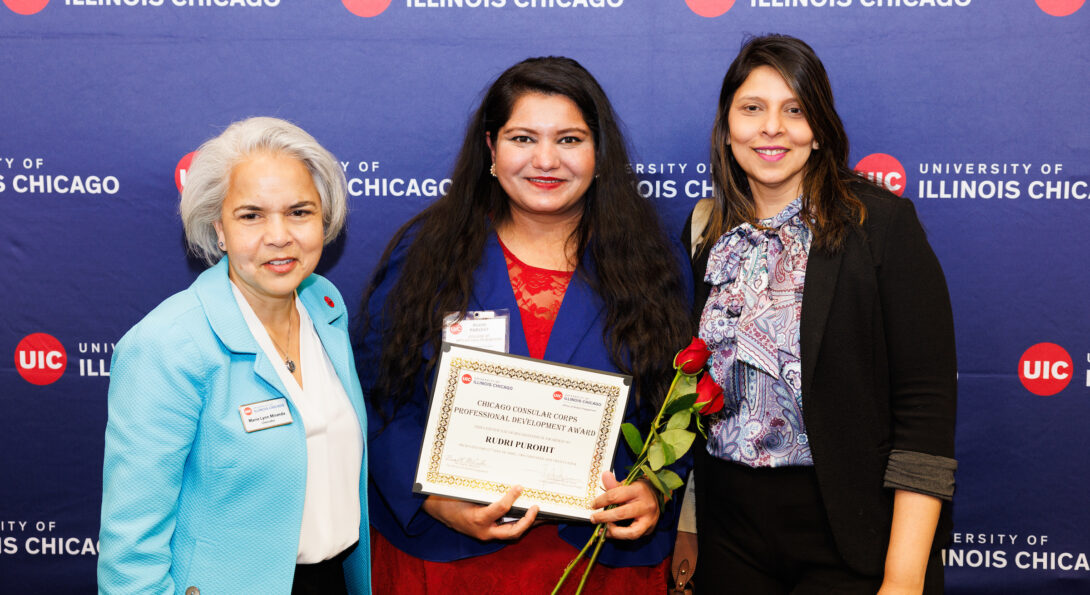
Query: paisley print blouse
(751, 323)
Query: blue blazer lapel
(578, 314)
(324, 314)
(327, 311)
(578, 317)
(214, 291)
(492, 291)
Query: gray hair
(209, 178)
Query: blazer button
(192, 591)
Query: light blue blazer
(189, 499)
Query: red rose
(709, 392)
(692, 359)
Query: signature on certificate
(467, 463)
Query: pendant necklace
(287, 354)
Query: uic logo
(40, 359)
(709, 8)
(25, 7)
(558, 395)
(466, 379)
(1045, 369)
(1060, 8)
(181, 171)
(366, 8)
(883, 170)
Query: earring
(222, 247)
(816, 145)
(492, 170)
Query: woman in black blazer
(830, 325)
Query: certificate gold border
(460, 364)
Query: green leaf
(679, 440)
(654, 481)
(632, 437)
(680, 420)
(684, 385)
(669, 479)
(655, 456)
(660, 494)
(680, 404)
(668, 452)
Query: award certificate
(499, 420)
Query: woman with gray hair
(235, 456)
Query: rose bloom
(692, 359)
(708, 391)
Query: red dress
(531, 565)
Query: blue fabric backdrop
(978, 109)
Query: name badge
(486, 329)
(265, 414)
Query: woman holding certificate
(542, 220)
(831, 333)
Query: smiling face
(770, 139)
(544, 156)
(271, 226)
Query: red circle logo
(26, 6)
(182, 169)
(1045, 369)
(885, 171)
(455, 328)
(466, 379)
(40, 359)
(248, 411)
(366, 8)
(329, 302)
(1060, 8)
(558, 395)
(709, 8)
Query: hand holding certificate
(497, 421)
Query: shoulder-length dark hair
(828, 201)
(633, 268)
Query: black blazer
(878, 367)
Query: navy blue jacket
(576, 339)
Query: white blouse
(331, 509)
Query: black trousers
(765, 531)
(323, 578)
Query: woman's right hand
(480, 521)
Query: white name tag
(486, 329)
(265, 414)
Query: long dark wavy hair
(827, 199)
(633, 268)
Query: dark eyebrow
(559, 132)
(247, 208)
(255, 208)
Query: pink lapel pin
(329, 301)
